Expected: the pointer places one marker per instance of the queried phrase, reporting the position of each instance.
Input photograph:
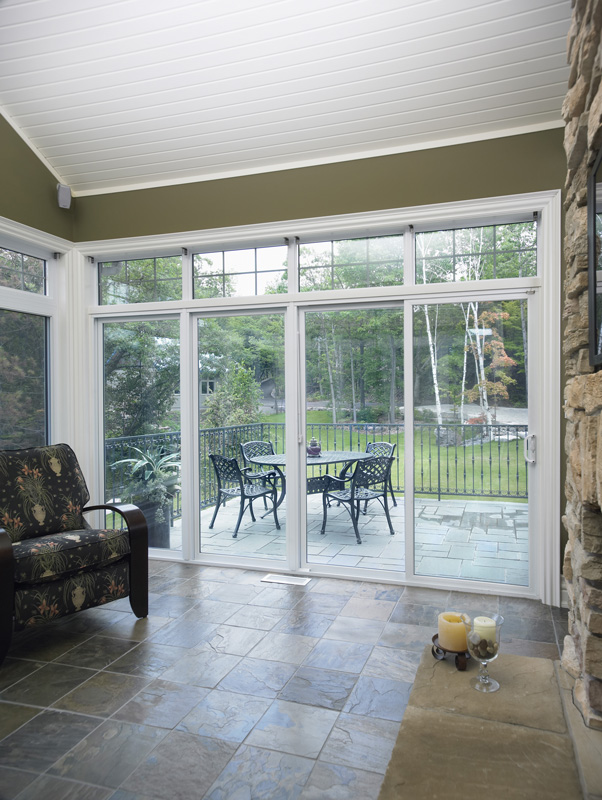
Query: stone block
(577, 285)
(593, 692)
(567, 567)
(574, 102)
(592, 594)
(591, 718)
(591, 527)
(588, 432)
(574, 392)
(570, 661)
(593, 620)
(592, 654)
(592, 392)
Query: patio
(457, 538)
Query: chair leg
(355, 514)
(240, 513)
(274, 504)
(391, 490)
(251, 510)
(324, 512)
(217, 505)
(139, 570)
(386, 507)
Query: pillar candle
(452, 632)
(485, 628)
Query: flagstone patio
(457, 538)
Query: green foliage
(236, 400)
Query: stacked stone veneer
(582, 111)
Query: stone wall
(582, 112)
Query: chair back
(251, 450)
(380, 448)
(226, 469)
(371, 471)
(42, 491)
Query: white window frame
(547, 205)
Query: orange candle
(452, 632)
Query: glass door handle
(529, 446)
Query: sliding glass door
(354, 408)
(471, 432)
(240, 421)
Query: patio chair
(257, 449)
(369, 481)
(234, 482)
(382, 449)
(52, 563)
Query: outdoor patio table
(315, 484)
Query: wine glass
(483, 639)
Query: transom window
(476, 254)
(240, 273)
(20, 271)
(140, 280)
(351, 263)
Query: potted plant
(155, 477)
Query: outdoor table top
(325, 457)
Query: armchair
(52, 563)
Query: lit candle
(452, 632)
(485, 628)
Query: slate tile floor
(231, 688)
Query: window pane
(23, 380)
(239, 273)
(473, 254)
(351, 263)
(20, 271)
(140, 280)
(142, 423)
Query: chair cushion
(48, 601)
(45, 558)
(42, 491)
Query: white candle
(485, 628)
(452, 632)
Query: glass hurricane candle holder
(483, 640)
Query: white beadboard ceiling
(134, 93)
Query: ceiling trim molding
(300, 164)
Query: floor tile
(293, 728)
(96, 653)
(361, 742)
(340, 783)
(188, 632)
(386, 662)
(109, 754)
(364, 608)
(236, 641)
(14, 669)
(285, 647)
(40, 742)
(162, 704)
(182, 767)
(257, 617)
(417, 614)
(355, 629)
(343, 656)
(257, 773)
(274, 597)
(406, 637)
(379, 697)
(12, 716)
(44, 687)
(14, 781)
(319, 687)
(255, 676)
(201, 669)
(102, 694)
(225, 715)
(305, 623)
(148, 659)
(47, 787)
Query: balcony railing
(451, 460)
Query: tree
(493, 379)
(235, 401)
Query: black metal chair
(257, 449)
(369, 481)
(234, 482)
(382, 449)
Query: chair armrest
(332, 481)
(134, 518)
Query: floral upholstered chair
(52, 563)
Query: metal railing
(449, 459)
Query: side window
(140, 280)
(240, 273)
(477, 254)
(21, 271)
(351, 263)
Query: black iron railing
(449, 460)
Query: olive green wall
(28, 188)
(510, 165)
